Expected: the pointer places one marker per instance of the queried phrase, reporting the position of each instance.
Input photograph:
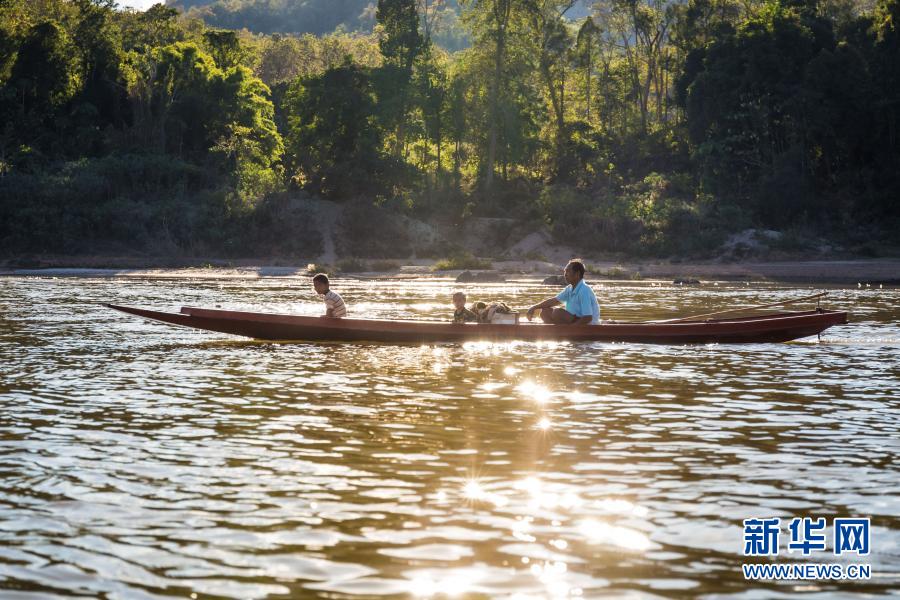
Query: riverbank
(875, 271)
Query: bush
(660, 215)
(616, 273)
(351, 265)
(599, 224)
(383, 265)
(462, 260)
(131, 201)
(146, 203)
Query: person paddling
(581, 306)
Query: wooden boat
(780, 327)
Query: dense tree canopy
(649, 126)
(334, 141)
(440, 18)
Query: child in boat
(334, 304)
(462, 314)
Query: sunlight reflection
(532, 485)
(487, 348)
(621, 507)
(441, 360)
(521, 528)
(598, 532)
(362, 469)
(495, 348)
(490, 386)
(549, 569)
(473, 491)
(425, 586)
(445, 583)
(539, 497)
(553, 575)
(538, 393)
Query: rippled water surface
(143, 460)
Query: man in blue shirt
(581, 306)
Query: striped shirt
(335, 304)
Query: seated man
(581, 306)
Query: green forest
(639, 127)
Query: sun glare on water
(598, 532)
(474, 491)
(536, 392)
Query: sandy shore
(884, 271)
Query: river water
(143, 460)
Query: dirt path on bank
(327, 216)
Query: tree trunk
(501, 11)
(437, 139)
(642, 98)
(588, 87)
(635, 81)
(495, 93)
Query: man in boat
(334, 304)
(580, 303)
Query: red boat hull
(780, 327)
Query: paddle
(734, 310)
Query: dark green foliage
(334, 142)
(111, 139)
(103, 95)
(651, 128)
(224, 47)
(656, 216)
(155, 27)
(40, 85)
(316, 16)
(576, 219)
(400, 45)
(153, 203)
(401, 41)
(181, 100)
(132, 201)
(793, 123)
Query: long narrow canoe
(781, 327)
